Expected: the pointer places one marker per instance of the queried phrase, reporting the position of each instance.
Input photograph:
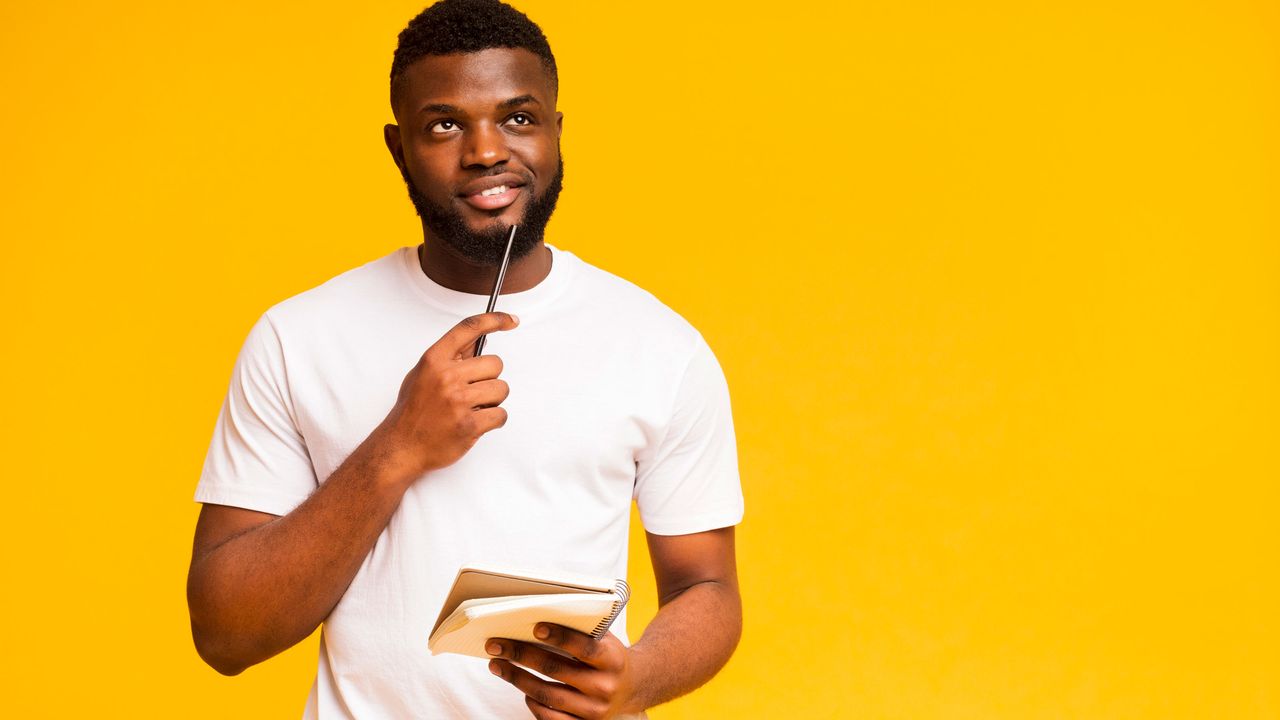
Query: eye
(443, 126)
(521, 119)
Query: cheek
(542, 156)
(430, 172)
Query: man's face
(478, 145)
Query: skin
(503, 117)
(260, 583)
(696, 629)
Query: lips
(494, 192)
(501, 197)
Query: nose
(486, 147)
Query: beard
(484, 247)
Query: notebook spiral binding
(623, 592)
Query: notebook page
(473, 623)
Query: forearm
(268, 588)
(689, 640)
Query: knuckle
(497, 363)
(456, 397)
(406, 385)
(471, 323)
(467, 425)
(607, 685)
(537, 710)
(550, 666)
(502, 416)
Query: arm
(699, 618)
(259, 583)
(696, 629)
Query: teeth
(494, 191)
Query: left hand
(596, 683)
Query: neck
(448, 269)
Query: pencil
(497, 284)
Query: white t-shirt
(613, 397)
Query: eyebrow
(439, 108)
(518, 100)
(445, 109)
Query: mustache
(484, 246)
(503, 169)
(499, 169)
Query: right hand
(448, 400)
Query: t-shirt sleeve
(257, 459)
(689, 482)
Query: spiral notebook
(487, 602)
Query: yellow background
(995, 285)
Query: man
(340, 489)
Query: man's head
(473, 89)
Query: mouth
(493, 192)
(494, 198)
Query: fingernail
(494, 648)
(513, 317)
(541, 632)
(493, 668)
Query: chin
(504, 218)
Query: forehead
(482, 78)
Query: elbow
(224, 667)
(214, 637)
(216, 652)
(228, 670)
(229, 639)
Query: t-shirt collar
(464, 304)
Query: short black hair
(467, 26)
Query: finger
(487, 419)
(460, 341)
(605, 653)
(542, 712)
(475, 369)
(487, 393)
(557, 667)
(549, 694)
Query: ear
(391, 135)
(559, 124)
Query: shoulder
(343, 298)
(624, 304)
